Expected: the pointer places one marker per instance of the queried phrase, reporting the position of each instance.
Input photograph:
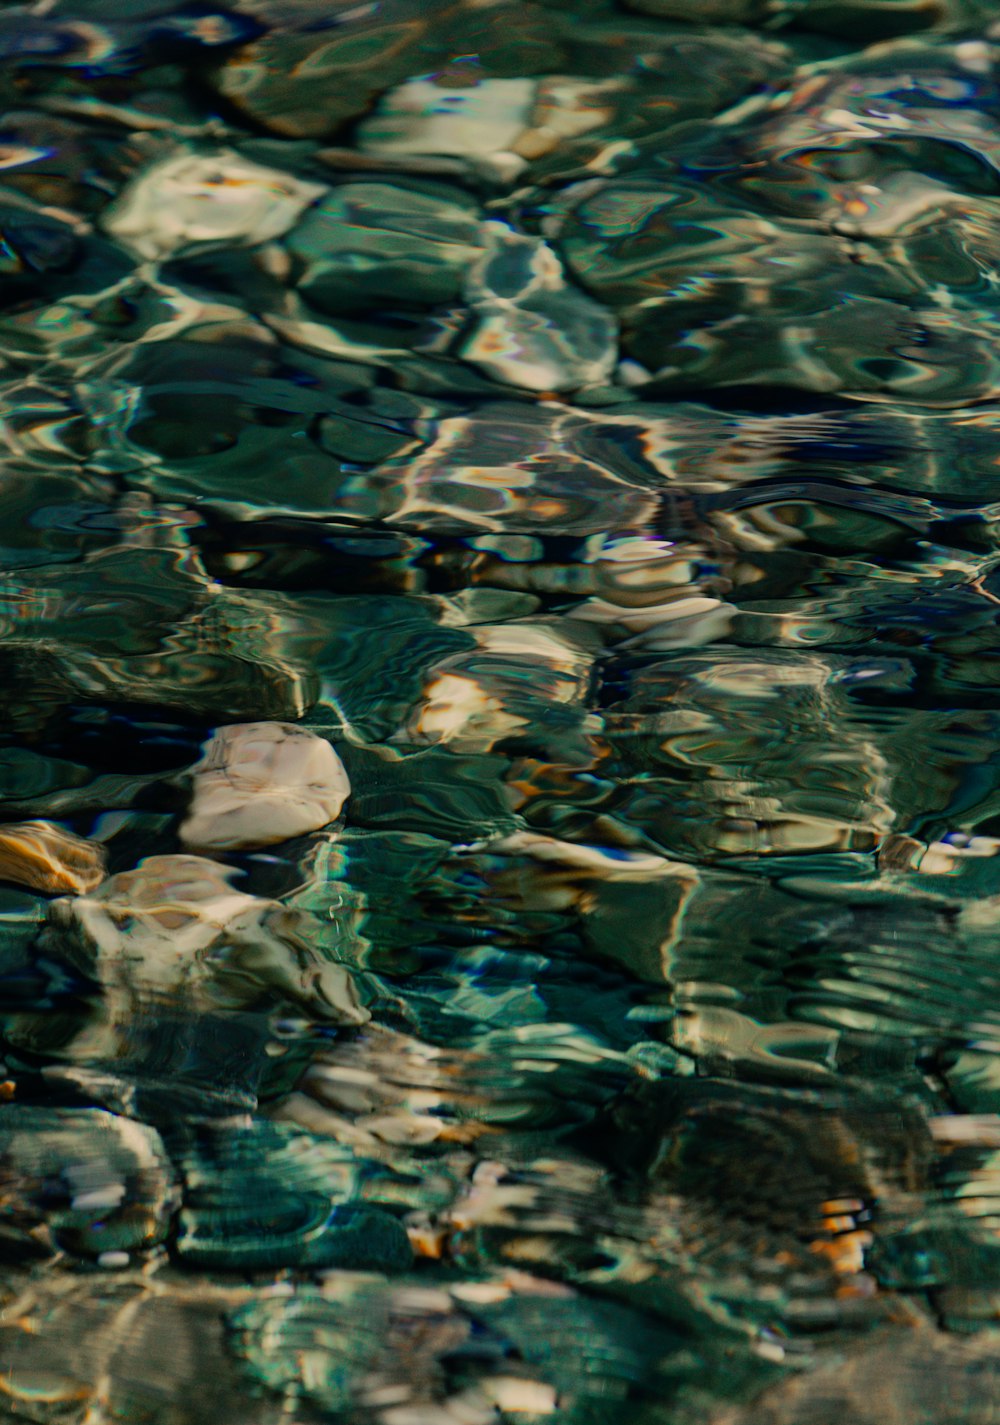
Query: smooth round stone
(34, 243)
(526, 679)
(532, 328)
(289, 1230)
(280, 1340)
(267, 1196)
(430, 116)
(263, 782)
(872, 19)
(367, 243)
(308, 1347)
(175, 928)
(303, 79)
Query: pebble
(260, 783)
(199, 198)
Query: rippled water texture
(500, 675)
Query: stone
(533, 329)
(176, 927)
(260, 783)
(212, 197)
(81, 1180)
(477, 123)
(371, 243)
(48, 858)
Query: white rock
(686, 622)
(262, 782)
(216, 197)
(46, 857)
(157, 919)
(476, 698)
(476, 121)
(113, 1261)
(175, 928)
(517, 1395)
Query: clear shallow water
(500, 664)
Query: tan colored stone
(47, 858)
(260, 783)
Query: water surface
(499, 585)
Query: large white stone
(262, 782)
(211, 197)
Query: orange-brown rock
(47, 858)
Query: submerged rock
(48, 858)
(212, 197)
(478, 121)
(726, 723)
(317, 66)
(532, 328)
(520, 680)
(263, 782)
(260, 1196)
(670, 726)
(368, 243)
(520, 469)
(176, 928)
(176, 982)
(82, 1180)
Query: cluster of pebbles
(499, 758)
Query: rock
(82, 1180)
(260, 1196)
(370, 243)
(47, 858)
(175, 926)
(184, 979)
(263, 782)
(566, 108)
(33, 244)
(198, 198)
(477, 123)
(518, 469)
(311, 1347)
(726, 722)
(318, 66)
(532, 328)
(527, 679)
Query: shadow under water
(500, 675)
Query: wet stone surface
(499, 673)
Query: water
(499, 584)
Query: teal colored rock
(264, 1197)
(367, 244)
